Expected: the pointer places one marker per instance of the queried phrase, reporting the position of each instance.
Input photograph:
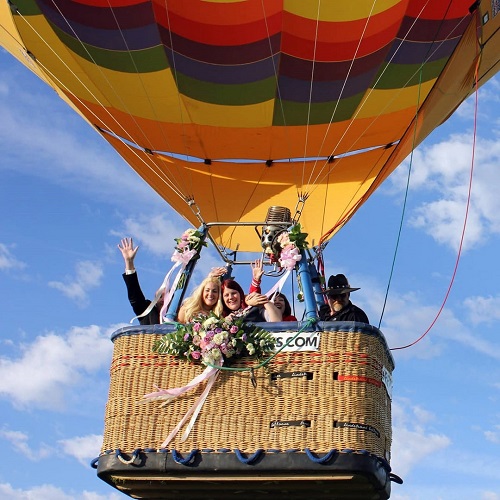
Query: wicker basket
(334, 398)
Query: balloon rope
(157, 170)
(396, 248)
(403, 211)
(311, 84)
(318, 180)
(459, 253)
(322, 175)
(344, 84)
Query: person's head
(281, 303)
(210, 292)
(205, 298)
(233, 297)
(338, 292)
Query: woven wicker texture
(333, 398)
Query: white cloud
(405, 320)
(483, 309)
(494, 435)
(421, 329)
(46, 491)
(7, 260)
(67, 153)
(155, 233)
(412, 441)
(83, 448)
(441, 173)
(50, 369)
(471, 339)
(490, 495)
(19, 441)
(87, 276)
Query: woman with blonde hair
(204, 300)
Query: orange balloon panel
(335, 189)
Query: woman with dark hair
(282, 304)
(251, 307)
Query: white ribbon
(170, 292)
(159, 293)
(199, 405)
(278, 285)
(167, 395)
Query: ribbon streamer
(167, 395)
(278, 285)
(199, 405)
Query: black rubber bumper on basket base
(221, 476)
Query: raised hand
(126, 247)
(257, 270)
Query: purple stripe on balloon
(300, 90)
(100, 18)
(225, 55)
(428, 30)
(417, 52)
(224, 74)
(326, 71)
(139, 38)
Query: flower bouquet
(188, 246)
(287, 247)
(213, 340)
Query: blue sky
(66, 199)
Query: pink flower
(234, 329)
(183, 257)
(290, 255)
(196, 354)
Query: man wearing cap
(339, 307)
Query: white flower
(213, 356)
(209, 321)
(219, 338)
(250, 349)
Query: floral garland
(213, 340)
(290, 244)
(188, 246)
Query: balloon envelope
(228, 107)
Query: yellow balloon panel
(337, 189)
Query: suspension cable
(469, 191)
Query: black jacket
(138, 302)
(349, 313)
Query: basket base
(222, 476)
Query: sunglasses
(336, 296)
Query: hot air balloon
(249, 118)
